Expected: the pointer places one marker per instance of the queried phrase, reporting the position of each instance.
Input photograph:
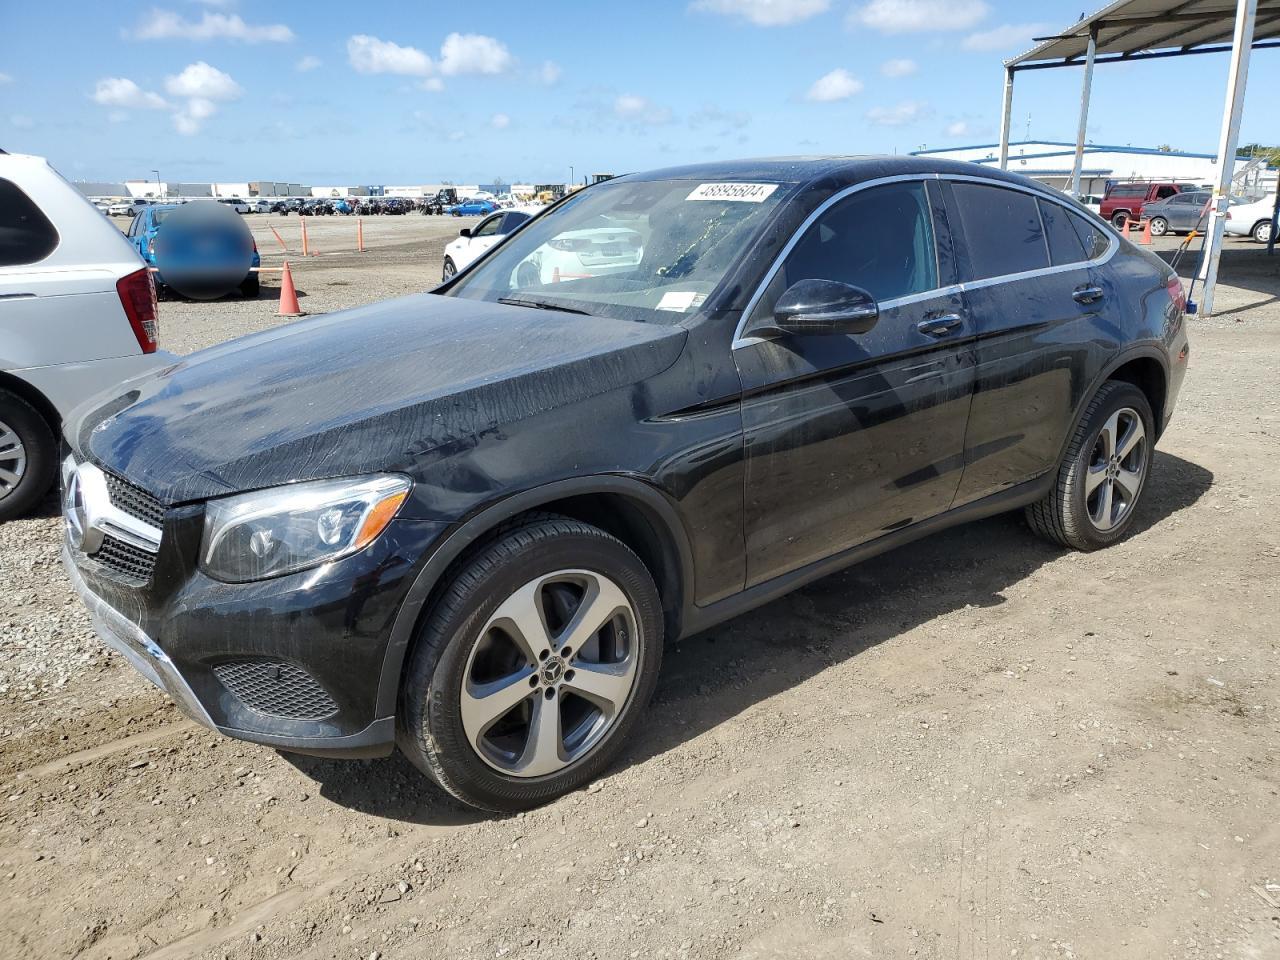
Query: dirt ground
(975, 746)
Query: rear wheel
(1159, 226)
(1103, 474)
(1262, 231)
(249, 289)
(533, 666)
(28, 456)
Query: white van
(77, 316)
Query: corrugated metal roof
(1129, 27)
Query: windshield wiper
(541, 305)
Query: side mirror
(465, 232)
(825, 307)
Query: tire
(1159, 226)
(249, 289)
(1261, 231)
(1072, 514)
(1118, 219)
(28, 456)
(450, 269)
(487, 756)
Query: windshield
(650, 251)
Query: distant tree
(1272, 154)
(1165, 148)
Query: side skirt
(698, 619)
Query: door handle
(1086, 294)
(940, 326)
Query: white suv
(77, 316)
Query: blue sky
(393, 92)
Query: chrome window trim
(1040, 193)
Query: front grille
(276, 689)
(135, 501)
(125, 560)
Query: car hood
(371, 389)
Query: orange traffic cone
(359, 235)
(288, 296)
(1146, 233)
(1124, 232)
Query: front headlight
(272, 532)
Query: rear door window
(1092, 235)
(1065, 244)
(1002, 230)
(26, 235)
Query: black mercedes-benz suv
(467, 521)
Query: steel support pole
(1275, 223)
(1237, 77)
(1006, 117)
(1085, 94)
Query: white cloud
(203, 87)
(21, 121)
(958, 128)
(202, 81)
(765, 13)
(500, 121)
(899, 115)
(122, 92)
(371, 55)
(899, 68)
(192, 115)
(839, 84)
(5, 78)
(916, 16)
(549, 73)
(458, 135)
(472, 53)
(1013, 37)
(637, 109)
(307, 64)
(168, 25)
(433, 84)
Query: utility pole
(159, 192)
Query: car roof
(834, 171)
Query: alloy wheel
(1262, 232)
(13, 460)
(550, 673)
(1117, 469)
(449, 270)
(1159, 227)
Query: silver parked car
(77, 316)
(1181, 213)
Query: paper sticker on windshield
(681, 300)
(741, 192)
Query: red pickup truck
(1124, 201)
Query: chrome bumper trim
(124, 636)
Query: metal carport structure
(1131, 30)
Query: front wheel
(1103, 474)
(450, 270)
(1262, 231)
(1119, 220)
(1159, 226)
(533, 667)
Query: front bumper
(189, 635)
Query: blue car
(147, 229)
(473, 208)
